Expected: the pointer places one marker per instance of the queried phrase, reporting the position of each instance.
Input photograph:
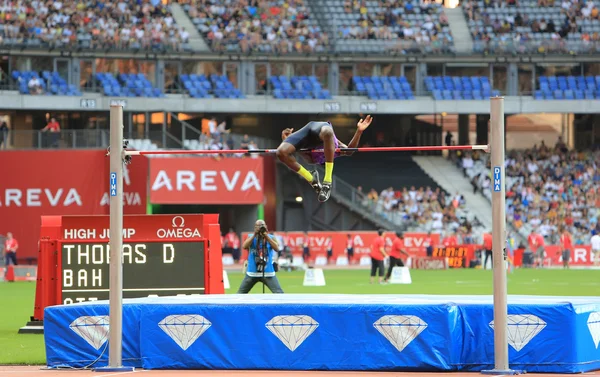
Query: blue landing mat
(330, 332)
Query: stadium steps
(382, 170)
(196, 41)
(345, 194)
(452, 180)
(463, 41)
(318, 8)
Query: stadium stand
(199, 86)
(50, 83)
(546, 187)
(533, 25)
(412, 200)
(378, 26)
(383, 87)
(298, 87)
(459, 88)
(127, 85)
(423, 209)
(568, 87)
(122, 25)
(267, 26)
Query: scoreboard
(149, 269)
(457, 257)
(163, 255)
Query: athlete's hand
(363, 124)
(285, 133)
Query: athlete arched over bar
(319, 136)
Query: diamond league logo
(593, 323)
(292, 330)
(178, 230)
(93, 329)
(521, 329)
(184, 329)
(400, 330)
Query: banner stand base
(500, 372)
(113, 369)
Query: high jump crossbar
(268, 151)
(117, 161)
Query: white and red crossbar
(267, 151)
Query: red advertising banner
(67, 182)
(581, 255)
(201, 180)
(416, 243)
(139, 228)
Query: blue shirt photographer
(259, 266)
(261, 249)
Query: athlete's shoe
(325, 192)
(316, 184)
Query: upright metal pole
(499, 239)
(117, 154)
(116, 237)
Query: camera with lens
(262, 229)
(261, 262)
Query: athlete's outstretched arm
(362, 125)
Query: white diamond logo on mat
(93, 329)
(522, 328)
(400, 330)
(292, 330)
(184, 329)
(593, 323)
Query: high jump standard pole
(117, 154)
(501, 366)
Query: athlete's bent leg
(328, 138)
(285, 154)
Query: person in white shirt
(595, 241)
(35, 87)
(467, 162)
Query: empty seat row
(383, 87)
(298, 87)
(569, 94)
(475, 94)
(218, 86)
(452, 83)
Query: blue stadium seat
(568, 94)
(51, 82)
(558, 94)
(539, 95)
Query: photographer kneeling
(261, 247)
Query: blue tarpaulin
(330, 332)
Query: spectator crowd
(258, 25)
(546, 188)
(424, 210)
(390, 21)
(90, 23)
(520, 22)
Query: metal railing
(65, 139)
(349, 196)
